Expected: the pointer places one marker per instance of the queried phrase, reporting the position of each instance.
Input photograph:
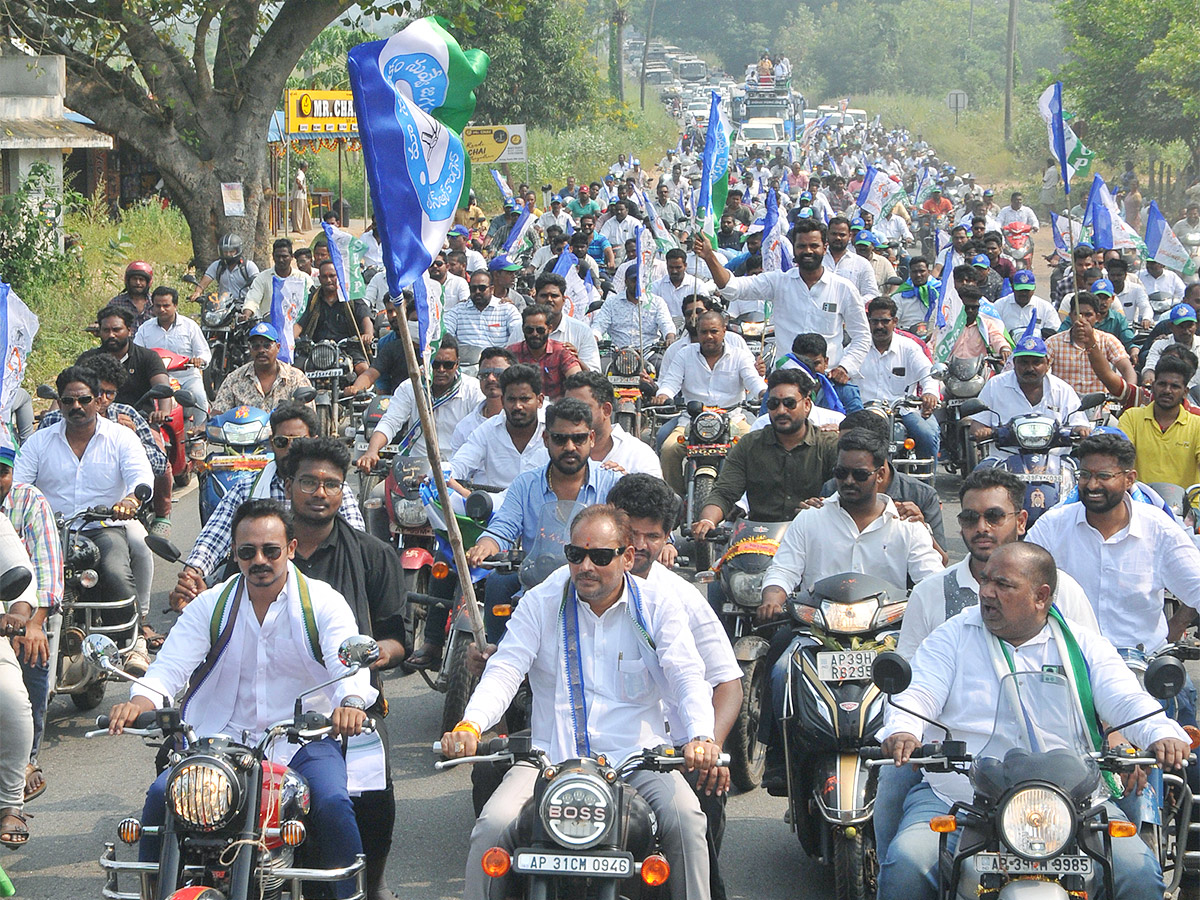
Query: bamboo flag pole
(474, 613)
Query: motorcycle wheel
(748, 757)
(89, 698)
(459, 681)
(972, 455)
(324, 421)
(628, 421)
(854, 867)
(701, 488)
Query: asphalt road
(93, 784)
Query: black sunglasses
(479, 287)
(560, 440)
(786, 402)
(533, 329)
(83, 400)
(445, 364)
(600, 556)
(968, 518)
(280, 441)
(247, 552)
(841, 473)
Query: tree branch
(200, 56)
(239, 22)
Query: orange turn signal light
(909, 443)
(129, 830)
(943, 824)
(1193, 734)
(439, 570)
(502, 609)
(681, 440)
(496, 862)
(655, 870)
(1119, 828)
(293, 832)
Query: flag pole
(470, 602)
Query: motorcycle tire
(325, 421)
(181, 479)
(89, 698)
(701, 488)
(459, 682)
(628, 421)
(854, 867)
(747, 756)
(972, 456)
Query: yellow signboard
(321, 112)
(495, 143)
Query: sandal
(154, 641)
(430, 654)
(13, 835)
(35, 783)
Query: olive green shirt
(775, 480)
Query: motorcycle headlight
(577, 810)
(1035, 435)
(204, 793)
(708, 426)
(215, 317)
(969, 388)
(746, 588)
(849, 618)
(1037, 822)
(243, 434)
(323, 356)
(627, 362)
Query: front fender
(750, 648)
(844, 788)
(415, 558)
(324, 398)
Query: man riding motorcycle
(230, 271)
(136, 296)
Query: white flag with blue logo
(18, 327)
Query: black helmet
(230, 246)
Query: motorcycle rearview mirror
(185, 398)
(46, 392)
(479, 506)
(1165, 677)
(972, 407)
(190, 279)
(101, 653)
(894, 282)
(160, 546)
(891, 673)
(143, 492)
(304, 394)
(694, 408)
(358, 651)
(938, 372)
(1091, 401)
(595, 305)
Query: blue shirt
(597, 247)
(530, 491)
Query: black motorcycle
(227, 335)
(628, 370)
(708, 439)
(328, 368)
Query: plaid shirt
(33, 519)
(216, 537)
(242, 388)
(155, 453)
(1070, 362)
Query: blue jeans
(910, 869)
(894, 784)
(498, 590)
(925, 434)
(334, 842)
(37, 685)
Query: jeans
(925, 434)
(435, 616)
(910, 869)
(498, 590)
(37, 685)
(334, 842)
(115, 568)
(893, 786)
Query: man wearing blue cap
(990, 281)
(865, 244)
(1109, 317)
(265, 381)
(1023, 304)
(1182, 319)
(555, 215)
(457, 238)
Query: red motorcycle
(176, 442)
(1018, 244)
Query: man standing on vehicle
(807, 298)
(168, 330)
(956, 682)
(270, 607)
(265, 381)
(678, 284)
(610, 611)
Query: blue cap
(865, 237)
(1103, 286)
(502, 263)
(1023, 280)
(1182, 312)
(805, 213)
(989, 193)
(8, 452)
(556, 199)
(609, 177)
(265, 329)
(1030, 346)
(806, 195)
(857, 223)
(461, 231)
(980, 261)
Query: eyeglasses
(83, 400)
(282, 441)
(479, 287)
(1086, 475)
(489, 373)
(309, 484)
(108, 395)
(887, 321)
(560, 439)
(437, 264)
(444, 364)
(841, 473)
(247, 552)
(785, 402)
(600, 556)
(969, 518)
(533, 329)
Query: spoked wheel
(324, 421)
(748, 757)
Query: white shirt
(264, 668)
(377, 288)
(831, 306)
(825, 541)
(817, 417)
(618, 232)
(732, 341)
(725, 384)
(488, 455)
(926, 608)
(1154, 352)
(1005, 400)
(373, 255)
(1016, 317)
(720, 664)
(632, 455)
(1024, 215)
(898, 371)
(576, 333)
(463, 429)
(856, 270)
(496, 325)
(475, 260)
(183, 337)
(674, 296)
(113, 464)
(295, 289)
(453, 292)
(625, 683)
(1124, 576)
(401, 413)
(1168, 283)
(618, 320)
(1135, 302)
(955, 681)
(548, 218)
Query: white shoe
(137, 660)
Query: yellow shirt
(1171, 456)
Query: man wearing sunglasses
(485, 321)
(633, 650)
(269, 602)
(556, 361)
(551, 290)
(452, 397)
(289, 422)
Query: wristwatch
(354, 702)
